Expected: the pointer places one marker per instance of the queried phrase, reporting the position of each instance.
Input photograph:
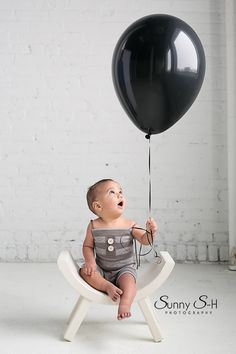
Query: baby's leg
(126, 282)
(98, 282)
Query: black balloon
(158, 68)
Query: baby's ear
(96, 205)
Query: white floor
(35, 301)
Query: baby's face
(111, 198)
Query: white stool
(152, 277)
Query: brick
(202, 252)
(224, 253)
(213, 253)
(181, 252)
(191, 252)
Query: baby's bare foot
(123, 312)
(113, 292)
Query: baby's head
(100, 190)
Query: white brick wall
(62, 128)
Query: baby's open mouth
(121, 204)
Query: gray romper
(114, 252)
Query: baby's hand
(151, 226)
(90, 268)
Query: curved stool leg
(76, 318)
(147, 310)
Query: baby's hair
(92, 192)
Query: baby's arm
(143, 237)
(88, 252)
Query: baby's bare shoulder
(128, 223)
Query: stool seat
(149, 280)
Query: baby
(108, 246)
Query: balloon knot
(147, 136)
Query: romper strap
(92, 225)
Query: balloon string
(148, 136)
(150, 179)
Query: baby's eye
(111, 192)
